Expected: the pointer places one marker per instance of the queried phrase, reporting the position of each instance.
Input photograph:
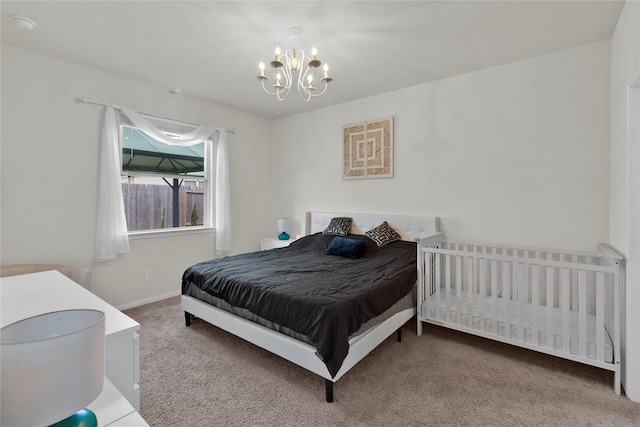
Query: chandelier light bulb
(314, 53)
(326, 71)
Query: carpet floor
(202, 376)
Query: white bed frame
(410, 228)
(565, 304)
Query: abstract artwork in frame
(367, 149)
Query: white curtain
(112, 235)
(201, 133)
(223, 203)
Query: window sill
(168, 232)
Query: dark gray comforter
(325, 297)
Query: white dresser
(29, 295)
(113, 410)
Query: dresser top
(29, 295)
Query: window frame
(207, 178)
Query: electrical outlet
(148, 274)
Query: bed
(245, 294)
(565, 304)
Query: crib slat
(521, 300)
(427, 283)
(459, 289)
(582, 312)
(482, 278)
(470, 292)
(600, 315)
(591, 302)
(435, 301)
(535, 300)
(506, 297)
(574, 285)
(438, 284)
(447, 289)
(565, 306)
(494, 297)
(550, 306)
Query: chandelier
(295, 68)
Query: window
(112, 235)
(163, 185)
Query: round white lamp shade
(284, 226)
(52, 366)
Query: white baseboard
(148, 300)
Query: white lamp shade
(52, 366)
(284, 225)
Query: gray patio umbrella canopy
(141, 153)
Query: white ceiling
(211, 49)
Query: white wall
(49, 172)
(515, 154)
(624, 181)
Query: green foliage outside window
(194, 215)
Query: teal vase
(83, 418)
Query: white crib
(566, 304)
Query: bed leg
(399, 334)
(187, 318)
(328, 387)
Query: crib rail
(562, 303)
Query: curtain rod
(86, 100)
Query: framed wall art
(367, 149)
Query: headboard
(409, 227)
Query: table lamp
(284, 226)
(52, 367)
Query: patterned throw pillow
(339, 226)
(383, 234)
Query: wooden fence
(144, 205)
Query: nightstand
(274, 242)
